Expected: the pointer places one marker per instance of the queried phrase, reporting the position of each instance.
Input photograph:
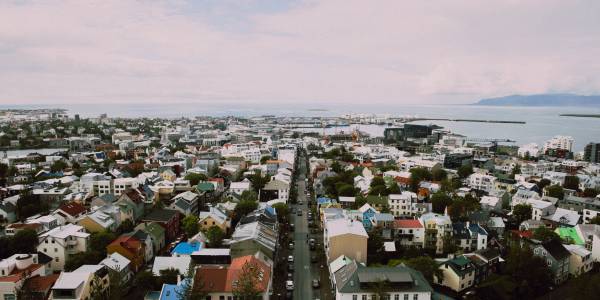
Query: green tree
(336, 167)
(544, 234)
(249, 195)
(438, 174)
(117, 286)
(464, 171)
(25, 241)
(571, 183)
(595, 220)
(282, 212)
(543, 183)
(100, 240)
(195, 178)
(192, 288)
(346, 190)
(145, 281)
(125, 227)
(58, 166)
(417, 175)
(378, 190)
(247, 283)
(375, 246)
(522, 212)
(215, 236)
(530, 273)
(190, 225)
(439, 202)
(393, 188)
(258, 180)
(77, 260)
(168, 276)
(243, 208)
(264, 159)
(427, 266)
(555, 191)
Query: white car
(289, 285)
(290, 259)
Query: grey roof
(371, 275)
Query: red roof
(221, 279)
(41, 283)
(128, 242)
(73, 208)
(523, 233)
(220, 180)
(410, 223)
(18, 274)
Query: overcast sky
(277, 51)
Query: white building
(529, 150)
(481, 182)
(62, 242)
(559, 142)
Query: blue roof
(186, 248)
(169, 292)
(271, 210)
(323, 200)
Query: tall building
(559, 142)
(592, 152)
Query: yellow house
(346, 237)
(459, 274)
(97, 221)
(214, 217)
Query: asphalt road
(302, 275)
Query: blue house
(367, 213)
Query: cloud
(334, 51)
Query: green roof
(569, 234)
(205, 187)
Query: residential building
(167, 218)
(557, 258)
(339, 233)
(459, 274)
(62, 242)
(437, 227)
(131, 248)
(580, 261)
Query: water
(541, 122)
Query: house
(212, 256)
(156, 233)
(106, 218)
(496, 224)
(7, 212)
(40, 287)
(367, 213)
(339, 233)
(409, 232)
(219, 281)
(580, 261)
(214, 217)
(186, 203)
(557, 258)
(469, 236)
(563, 217)
(167, 218)
(131, 248)
(436, 228)
(62, 242)
(481, 182)
(240, 186)
(275, 189)
(539, 208)
(401, 204)
(459, 274)
(80, 283)
(491, 203)
(120, 264)
(385, 222)
(352, 281)
(346, 201)
(131, 202)
(250, 238)
(179, 263)
(17, 269)
(145, 239)
(486, 262)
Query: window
(55, 250)
(416, 297)
(396, 297)
(364, 297)
(405, 296)
(56, 259)
(45, 250)
(10, 297)
(221, 297)
(354, 297)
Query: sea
(541, 123)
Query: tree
(543, 183)
(215, 236)
(595, 220)
(449, 244)
(82, 258)
(243, 208)
(590, 193)
(125, 227)
(258, 181)
(336, 167)
(346, 190)
(145, 281)
(427, 266)
(515, 170)
(195, 178)
(464, 171)
(190, 225)
(544, 234)
(25, 241)
(530, 273)
(374, 246)
(555, 191)
(100, 240)
(168, 276)
(393, 188)
(439, 201)
(522, 212)
(264, 159)
(192, 287)
(58, 166)
(247, 283)
(249, 195)
(282, 212)
(417, 175)
(378, 190)
(438, 174)
(377, 181)
(571, 183)
(117, 287)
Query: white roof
(64, 231)
(389, 246)
(562, 215)
(212, 251)
(577, 250)
(539, 204)
(181, 264)
(116, 261)
(489, 200)
(347, 199)
(240, 185)
(70, 280)
(342, 226)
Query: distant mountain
(542, 100)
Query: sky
(347, 52)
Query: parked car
(314, 259)
(291, 267)
(289, 285)
(300, 203)
(291, 245)
(290, 259)
(299, 213)
(315, 283)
